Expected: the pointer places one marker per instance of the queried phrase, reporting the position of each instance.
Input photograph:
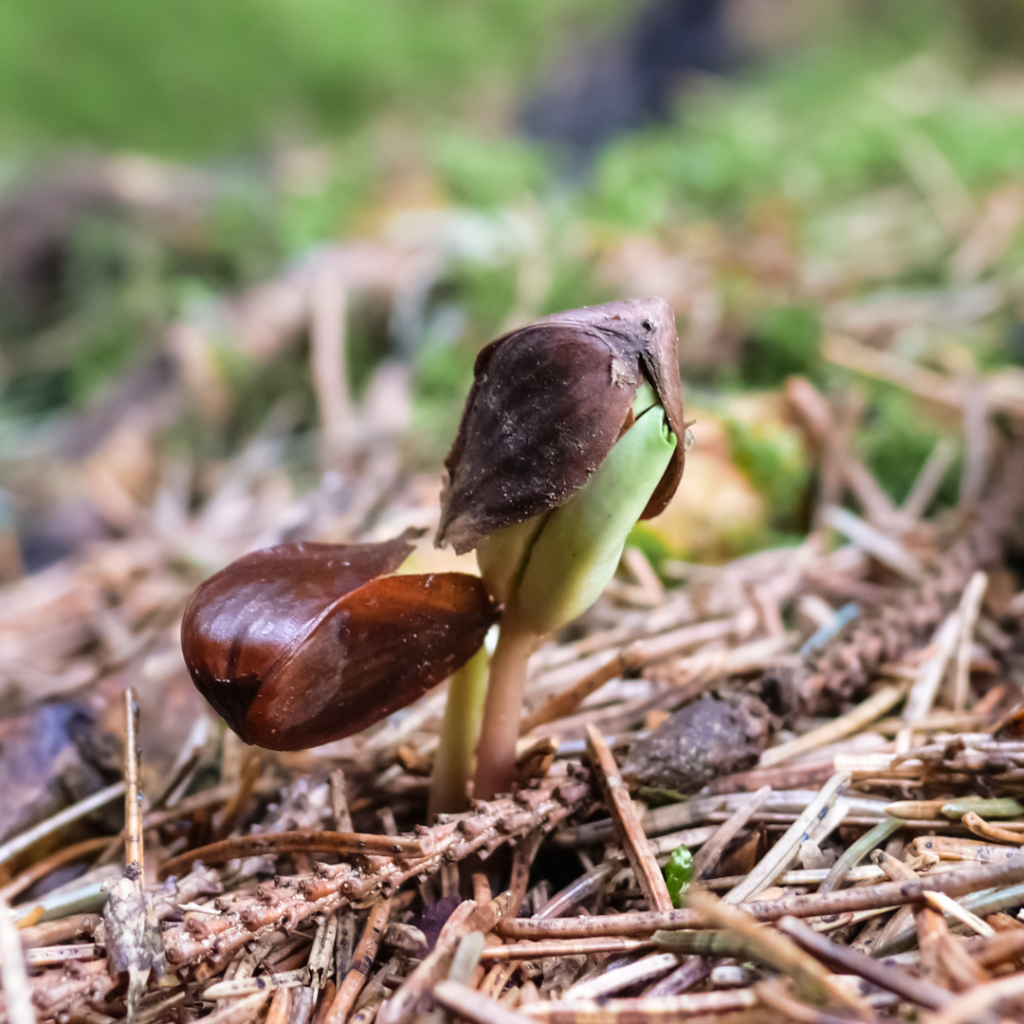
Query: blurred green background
(826, 177)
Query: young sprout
(571, 432)
(453, 763)
(301, 644)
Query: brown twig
(328, 301)
(925, 384)
(773, 994)
(244, 986)
(956, 882)
(607, 983)
(21, 842)
(847, 960)
(627, 823)
(280, 1007)
(774, 862)
(929, 479)
(61, 954)
(290, 901)
(497, 978)
(566, 702)
(970, 606)
(987, 830)
(627, 660)
(481, 887)
(939, 955)
(241, 1011)
(339, 802)
(227, 819)
(972, 1005)
(580, 890)
(693, 970)
(853, 721)
(66, 855)
(273, 843)
(522, 861)
(402, 1005)
(564, 947)
(473, 1006)
(362, 960)
(661, 1010)
(994, 950)
(133, 845)
(771, 947)
(706, 859)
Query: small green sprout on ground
(679, 874)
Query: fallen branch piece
(627, 823)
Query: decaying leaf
(548, 402)
(132, 936)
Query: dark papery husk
(300, 644)
(548, 402)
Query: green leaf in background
(895, 439)
(784, 341)
(679, 874)
(486, 172)
(225, 78)
(773, 456)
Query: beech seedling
(573, 430)
(300, 644)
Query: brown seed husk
(548, 402)
(301, 644)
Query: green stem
(459, 731)
(857, 851)
(496, 753)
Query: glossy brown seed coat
(300, 644)
(548, 402)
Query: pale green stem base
(454, 759)
(496, 754)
